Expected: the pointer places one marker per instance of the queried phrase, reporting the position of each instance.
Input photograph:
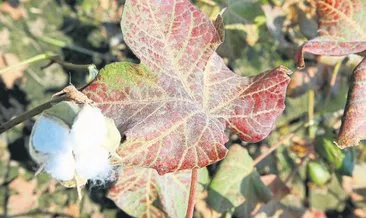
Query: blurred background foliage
(321, 180)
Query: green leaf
(236, 187)
(329, 151)
(239, 18)
(318, 172)
(329, 197)
(341, 160)
(348, 162)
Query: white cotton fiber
(61, 166)
(80, 151)
(89, 129)
(94, 164)
(88, 135)
(50, 135)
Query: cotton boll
(50, 135)
(93, 163)
(61, 166)
(79, 152)
(89, 129)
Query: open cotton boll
(93, 163)
(89, 129)
(88, 136)
(80, 153)
(50, 135)
(61, 166)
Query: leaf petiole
(192, 193)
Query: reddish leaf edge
(326, 48)
(286, 73)
(277, 70)
(350, 133)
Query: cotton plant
(75, 144)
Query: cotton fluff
(51, 135)
(94, 164)
(88, 130)
(88, 133)
(79, 150)
(61, 166)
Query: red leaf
(353, 127)
(341, 27)
(174, 106)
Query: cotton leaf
(353, 127)
(142, 192)
(175, 105)
(236, 186)
(342, 29)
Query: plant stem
(35, 111)
(77, 67)
(311, 97)
(192, 193)
(36, 58)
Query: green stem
(68, 65)
(91, 68)
(311, 105)
(34, 59)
